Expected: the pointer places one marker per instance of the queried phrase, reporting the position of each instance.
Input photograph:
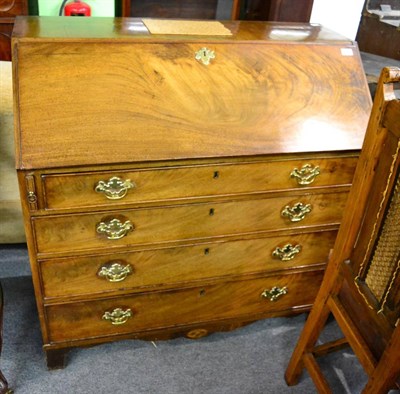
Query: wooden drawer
(68, 322)
(75, 277)
(65, 233)
(66, 191)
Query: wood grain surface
(178, 307)
(73, 233)
(78, 277)
(77, 190)
(254, 98)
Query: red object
(77, 8)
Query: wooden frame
(373, 335)
(126, 9)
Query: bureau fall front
(180, 183)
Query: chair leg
(316, 375)
(310, 334)
(4, 385)
(387, 371)
(3, 382)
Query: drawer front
(179, 307)
(196, 221)
(65, 191)
(175, 266)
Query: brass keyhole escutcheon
(204, 55)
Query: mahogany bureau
(180, 184)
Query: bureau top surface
(106, 91)
(135, 29)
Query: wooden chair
(361, 286)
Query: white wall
(342, 16)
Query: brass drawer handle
(287, 253)
(297, 212)
(118, 316)
(274, 293)
(114, 271)
(306, 175)
(205, 55)
(115, 188)
(115, 229)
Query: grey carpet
(250, 360)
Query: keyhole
(202, 292)
(212, 212)
(216, 175)
(206, 250)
